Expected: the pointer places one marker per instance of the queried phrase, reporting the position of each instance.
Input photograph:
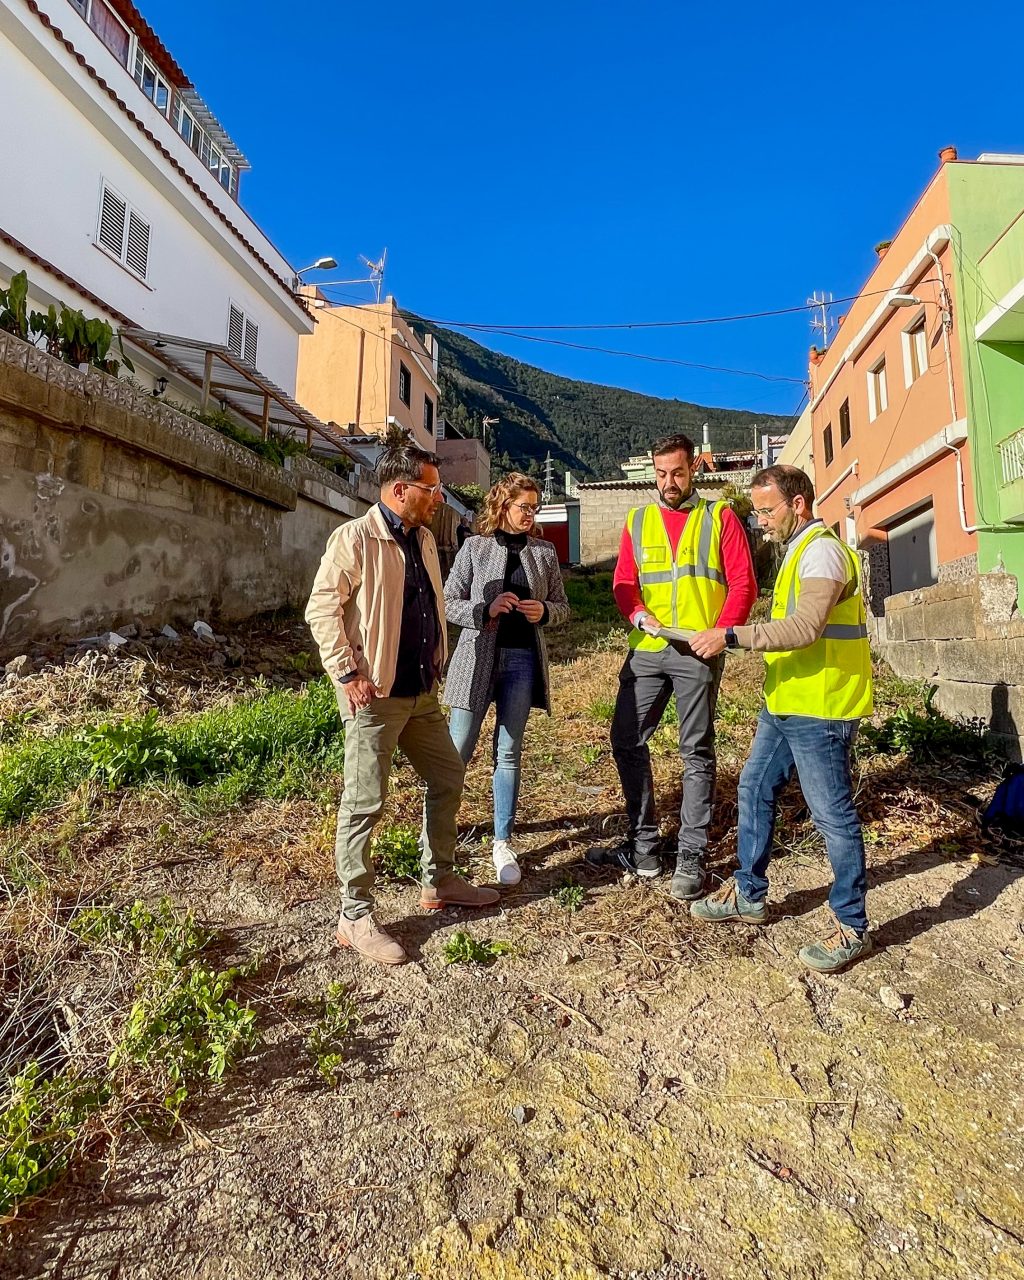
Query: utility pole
(549, 481)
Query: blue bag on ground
(1006, 808)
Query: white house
(120, 194)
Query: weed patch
(569, 894)
(329, 1039)
(463, 948)
(396, 852)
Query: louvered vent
(113, 214)
(252, 334)
(236, 328)
(136, 254)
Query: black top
(515, 630)
(416, 668)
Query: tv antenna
(821, 321)
(486, 425)
(376, 270)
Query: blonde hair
(498, 500)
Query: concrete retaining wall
(115, 507)
(966, 638)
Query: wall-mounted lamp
(161, 387)
(321, 264)
(904, 300)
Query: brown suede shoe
(452, 891)
(367, 937)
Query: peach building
(363, 367)
(896, 450)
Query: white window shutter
(236, 325)
(136, 254)
(113, 216)
(252, 334)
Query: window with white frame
(243, 334)
(878, 390)
(123, 232)
(915, 351)
(151, 82)
(198, 139)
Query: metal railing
(1011, 455)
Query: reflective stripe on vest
(696, 564)
(831, 678)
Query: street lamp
(321, 264)
(904, 300)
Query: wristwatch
(730, 639)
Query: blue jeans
(819, 752)
(512, 695)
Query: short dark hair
(402, 461)
(790, 482)
(673, 444)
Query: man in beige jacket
(377, 613)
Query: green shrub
(183, 1028)
(329, 1039)
(396, 852)
(602, 710)
(569, 894)
(40, 1119)
(122, 754)
(463, 948)
(139, 928)
(928, 736)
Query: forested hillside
(588, 428)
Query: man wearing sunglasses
(817, 689)
(377, 613)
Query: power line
(659, 324)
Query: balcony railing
(1011, 456)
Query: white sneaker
(505, 863)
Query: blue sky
(568, 163)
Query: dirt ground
(628, 1093)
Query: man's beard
(676, 500)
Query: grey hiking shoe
(727, 903)
(647, 865)
(688, 879)
(839, 948)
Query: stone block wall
(114, 507)
(603, 511)
(967, 638)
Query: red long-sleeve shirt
(740, 580)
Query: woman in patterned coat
(504, 587)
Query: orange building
(364, 366)
(899, 439)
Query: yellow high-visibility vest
(688, 589)
(830, 679)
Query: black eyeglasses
(526, 508)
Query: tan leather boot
(452, 891)
(367, 937)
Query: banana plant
(14, 306)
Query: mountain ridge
(589, 428)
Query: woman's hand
(505, 603)
(533, 610)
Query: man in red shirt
(681, 560)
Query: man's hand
(504, 603)
(359, 692)
(532, 610)
(708, 644)
(647, 622)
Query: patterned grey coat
(476, 578)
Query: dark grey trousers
(646, 682)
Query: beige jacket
(355, 608)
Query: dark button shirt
(416, 669)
